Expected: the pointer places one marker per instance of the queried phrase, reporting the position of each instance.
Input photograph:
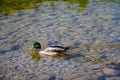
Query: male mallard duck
(51, 50)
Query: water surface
(95, 30)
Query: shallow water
(95, 32)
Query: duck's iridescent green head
(37, 45)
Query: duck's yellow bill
(31, 48)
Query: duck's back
(56, 48)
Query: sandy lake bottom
(96, 31)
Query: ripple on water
(3, 37)
(52, 28)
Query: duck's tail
(66, 48)
(71, 47)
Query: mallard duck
(51, 50)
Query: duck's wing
(63, 48)
(55, 49)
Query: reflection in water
(82, 48)
(35, 55)
(10, 6)
(82, 3)
(117, 1)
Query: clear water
(95, 30)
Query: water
(96, 30)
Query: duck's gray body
(53, 50)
